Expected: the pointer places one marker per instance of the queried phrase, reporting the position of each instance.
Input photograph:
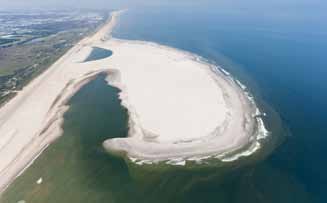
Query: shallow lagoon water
(76, 169)
(97, 54)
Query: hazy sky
(132, 3)
(89, 3)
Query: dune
(180, 107)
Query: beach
(180, 107)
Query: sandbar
(180, 107)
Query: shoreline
(39, 127)
(18, 149)
(246, 149)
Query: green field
(32, 54)
(39, 54)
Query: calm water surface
(98, 53)
(279, 54)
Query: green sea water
(77, 169)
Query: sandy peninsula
(180, 107)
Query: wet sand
(180, 108)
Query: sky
(84, 3)
(27, 4)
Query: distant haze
(256, 4)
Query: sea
(277, 50)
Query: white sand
(179, 108)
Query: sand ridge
(233, 127)
(180, 107)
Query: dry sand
(180, 107)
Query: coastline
(57, 84)
(248, 146)
(19, 149)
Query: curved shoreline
(38, 127)
(24, 118)
(243, 149)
